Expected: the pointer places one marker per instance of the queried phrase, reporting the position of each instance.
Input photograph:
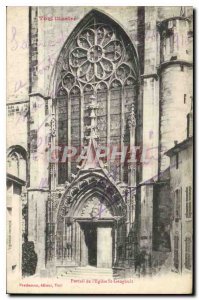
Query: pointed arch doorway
(90, 213)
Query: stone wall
(181, 179)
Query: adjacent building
(181, 191)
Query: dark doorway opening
(91, 243)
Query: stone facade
(181, 192)
(137, 64)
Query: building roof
(15, 179)
(180, 147)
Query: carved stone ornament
(53, 126)
(96, 54)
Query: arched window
(98, 58)
(16, 162)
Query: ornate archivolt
(91, 196)
(91, 188)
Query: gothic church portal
(104, 80)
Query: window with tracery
(16, 163)
(98, 59)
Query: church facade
(104, 95)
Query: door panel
(104, 247)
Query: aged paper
(100, 150)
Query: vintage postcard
(100, 150)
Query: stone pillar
(146, 221)
(38, 190)
(38, 131)
(84, 250)
(150, 133)
(77, 242)
(150, 87)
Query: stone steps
(87, 272)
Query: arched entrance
(90, 213)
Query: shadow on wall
(29, 258)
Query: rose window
(96, 55)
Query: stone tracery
(98, 60)
(97, 54)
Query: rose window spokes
(96, 55)
(77, 57)
(86, 39)
(113, 50)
